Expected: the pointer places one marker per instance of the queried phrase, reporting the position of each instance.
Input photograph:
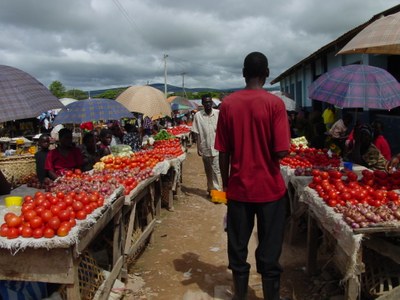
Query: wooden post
(312, 244)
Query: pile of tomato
(337, 188)
(300, 156)
(181, 129)
(48, 215)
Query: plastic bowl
(13, 201)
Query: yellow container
(218, 196)
(13, 201)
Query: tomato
(72, 222)
(78, 172)
(14, 221)
(12, 233)
(48, 233)
(379, 195)
(37, 233)
(27, 207)
(39, 210)
(26, 231)
(38, 194)
(55, 210)
(77, 206)
(68, 200)
(60, 195)
(29, 214)
(4, 230)
(81, 214)
(28, 199)
(63, 231)
(46, 215)
(36, 222)
(64, 215)
(88, 209)
(62, 205)
(54, 223)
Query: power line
(126, 15)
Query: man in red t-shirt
(252, 135)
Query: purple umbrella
(357, 86)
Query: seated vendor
(41, 155)
(365, 152)
(89, 151)
(105, 141)
(65, 157)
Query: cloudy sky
(96, 44)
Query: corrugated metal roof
(340, 42)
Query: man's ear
(244, 72)
(267, 72)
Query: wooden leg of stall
(312, 245)
(73, 291)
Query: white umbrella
(290, 104)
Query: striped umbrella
(357, 86)
(91, 110)
(22, 96)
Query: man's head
(207, 103)
(44, 141)
(65, 138)
(255, 66)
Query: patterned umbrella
(91, 110)
(146, 100)
(357, 86)
(22, 96)
(380, 37)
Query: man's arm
(224, 163)
(281, 154)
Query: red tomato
(60, 195)
(26, 231)
(27, 207)
(36, 222)
(14, 221)
(37, 233)
(77, 206)
(29, 214)
(12, 233)
(46, 215)
(38, 194)
(81, 214)
(4, 230)
(28, 199)
(54, 223)
(64, 215)
(55, 210)
(63, 231)
(72, 222)
(48, 233)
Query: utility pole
(183, 84)
(165, 76)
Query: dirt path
(188, 260)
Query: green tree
(76, 94)
(57, 89)
(111, 94)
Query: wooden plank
(88, 235)
(145, 234)
(128, 239)
(108, 284)
(158, 197)
(352, 289)
(73, 291)
(139, 189)
(377, 229)
(384, 248)
(312, 245)
(117, 252)
(55, 265)
(393, 294)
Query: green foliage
(111, 94)
(76, 94)
(57, 89)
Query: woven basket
(381, 274)
(17, 169)
(90, 278)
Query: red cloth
(59, 163)
(252, 125)
(87, 126)
(383, 146)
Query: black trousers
(270, 230)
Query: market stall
(357, 211)
(131, 203)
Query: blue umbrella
(92, 110)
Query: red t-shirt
(59, 163)
(252, 125)
(383, 146)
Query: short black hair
(255, 65)
(87, 137)
(43, 136)
(204, 97)
(104, 132)
(64, 132)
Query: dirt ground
(187, 257)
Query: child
(105, 139)
(40, 156)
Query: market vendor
(364, 152)
(89, 151)
(41, 155)
(65, 157)
(132, 137)
(105, 141)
